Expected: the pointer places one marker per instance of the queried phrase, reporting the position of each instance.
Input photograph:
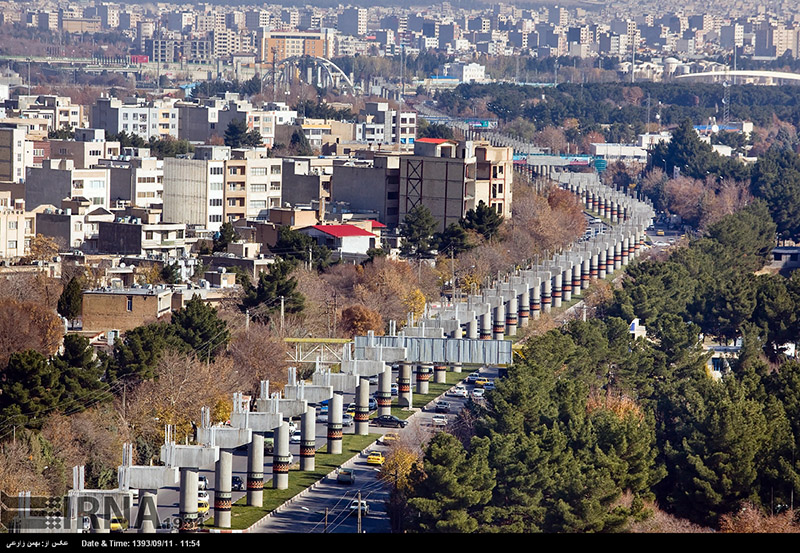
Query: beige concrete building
(88, 148)
(17, 227)
(252, 185)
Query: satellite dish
(715, 128)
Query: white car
(439, 420)
(458, 391)
(477, 393)
(296, 437)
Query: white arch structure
(769, 75)
(332, 71)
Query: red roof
(340, 231)
(434, 140)
(376, 224)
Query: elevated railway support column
(536, 300)
(188, 500)
(255, 471)
(361, 417)
(423, 377)
(308, 447)
(280, 457)
(223, 472)
(601, 264)
(498, 322)
(383, 397)
(405, 395)
(335, 424)
(511, 316)
(524, 302)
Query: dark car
(237, 484)
(390, 420)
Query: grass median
(244, 516)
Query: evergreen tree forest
(593, 428)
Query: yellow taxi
(659, 232)
(118, 524)
(202, 506)
(481, 382)
(375, 458)
(389, 438)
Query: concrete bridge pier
(511, 316)
(280, 457)
(524, 303)
(255, 471)
(308, 447)
(223, 472)
(404, 392)
(361, 417)
(423, 377)
(188, 500)
(335, 424)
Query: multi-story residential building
(17, 227)
(443, 176)
(279, 45)
(252, 185)
(88, 148)
(136, 178)
(132, 236)
(59, 178)
(380, 124)
(16, 153)
(157, 118)
(57, 110)
(125, 308)
(194, 192)
(353, 21)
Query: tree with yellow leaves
(414, 303)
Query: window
(98, 201)
(258, 204)
(275, 185)
(12, 225)
(215, 219)
(130, 303)
(216, 171)
(258, 171)
(12, 244)
(148, 235)
(275, 170)
(216, 186)
(215, 202)
(95, 152)
(232, 202)
(258, 188)
(77, 184)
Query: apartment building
(378, 123)
(16, 153)
(58, 179)
(17, 227)
(86, 150)
(57, 110)
(157, 118)
(194, 192)
(279, 45)
(252, 185)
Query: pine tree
(71, 301)
(455, 486)
(236, 133)
(80, 375)
(452, 240)
(300, 144)
(484, 220)
(417, 232)
(199, 327)
(264, 299)
(31, 390)
(227, 234)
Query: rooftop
(340, 231)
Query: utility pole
(247, 319)
(282, 314)
(359, 512)
(309, 258)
